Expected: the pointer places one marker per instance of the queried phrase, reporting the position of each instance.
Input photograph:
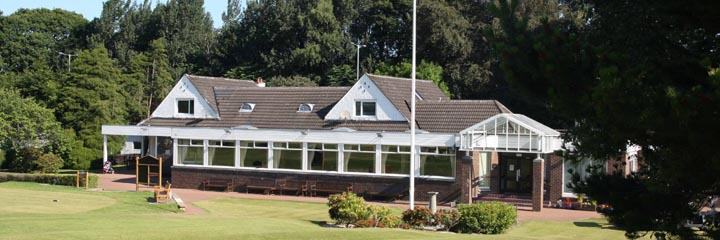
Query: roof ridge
(400, 78)
(221, 78)
(256, 88)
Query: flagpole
(413, 149)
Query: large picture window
(221, 153)
(190, 152)
(437, 161)
(254, 154)
(287, 155)
(485, 165)
(323, 157)
(395, 159)
(365, 108)
(580, 167)
(186, 106)
(359, 158)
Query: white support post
(105, 151)
(378, 159)
(155, 145)
(341, 158)
(270, 160)
(206, 156)
(237, 153)
(304, 156)
(412, 111)
(175, 151)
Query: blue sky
(92, 8)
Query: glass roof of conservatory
(509, 132)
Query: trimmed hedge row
(57, 179)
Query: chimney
(260, 82)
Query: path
(126, 182)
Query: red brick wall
(192, 177)
(555, 177)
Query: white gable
(365, 89)
(184, 90)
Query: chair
(162, 194)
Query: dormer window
(365, 108)
(186, 106)
(247, 107)
(306, 107)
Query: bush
(418, 217)
(392, 221)
(446, 218)
(49, 163)
(57, 179)
(368, 223)
(378, 214)
(347, 208)
(486, 217)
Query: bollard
(433, 202)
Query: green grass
(28, 212)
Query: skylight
(247, 107)
(306, 107)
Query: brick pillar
(555, 178)
(463, 176)
(537, 190)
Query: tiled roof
(455, 115)
(277, 107)
(205, 86)
(398, 91)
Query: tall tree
(635, 73)
(151, 70)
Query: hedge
(486, 217)
(58, 179)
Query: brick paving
(126, 182)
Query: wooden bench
(298, 187)
(328, 187)
(162, 193)
(388, 191)
(224, 183)
(267, 185)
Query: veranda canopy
(509, 132)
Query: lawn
(27, 211)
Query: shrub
(446, 218)
(347, 208)
(378, 213)
(58, 179)
(392, 221)
(368, 223)
(486, 217)
(417, 217)
(49, 163)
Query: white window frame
(191, 105)
(362, 110)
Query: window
(247, 107)
(484, 168)
(137, 145)
(306, 107)
(221, 153)
(287, 155)
(359, 158)
(365, 108)
(395, 159)
(253, 154)
(437, 161)
(323, 157)
(186, 106)
(581, 168)
(190, 152)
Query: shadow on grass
(324, 224)
(594, 225)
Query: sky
(92, 8)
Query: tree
(27, 129)
(92, 96)
(635, 73)
(31, 35)
(292, 81)
(149, 74)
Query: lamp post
(412, 111)
(357, 70)
(69, 57)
